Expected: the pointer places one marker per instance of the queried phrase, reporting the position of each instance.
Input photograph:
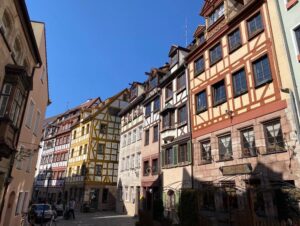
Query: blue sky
(96, 47)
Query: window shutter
(189, 151)
(175, 154)
(162, 158)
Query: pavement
(104, 218)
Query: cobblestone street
(98, 219)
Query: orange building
(243, 141)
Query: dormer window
(216, 14)
(174, 59)
(134, 92)
(201, 39)
(153, 83)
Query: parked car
(41, 213)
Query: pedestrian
(72, 207)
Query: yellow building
(93, 158)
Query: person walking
(72, 207)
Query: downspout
(294, 97)
(189, 123)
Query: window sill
(240, 94)
(273, 152)
(235, 48)
(168, 99)
(180, 90)
(201, 111)
(263, 83)
(290, 4)
(167, 128)
(215, 61)
(196, 74)
(254, 34)
(182, 124)
(210, 27)
(219, 103)
(248, 156)
(225, 160)
(205, 162)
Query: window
(205, 148)
(80, 150)
(201, 39)
(199, 66)
(74, 135)
(274, 137)
(30, 114)
(215, 54)
(182, 153)
(182, 115)
(169, 91)
(262, 71)
(17, 49)
(72, 153)
(103, 128)
(254, 25)
(100, 150)
(239, 82)
(129, 138)
(155, 133)
(229, 195)
(216, 14)
(78, 170)
(132, 162)
(154, 166)
(153, 83)
(248, 142)
(297, 35)
(133, 92)
(98, 169)
(147, 134)
(82, 131)
(16, 107)
(139, 133)
(219, 93)
(124, 140)
(148, 110)
(174, 59)
(169, 155)
(201, 102)
(127, 162)
(156, 104)
(134, 136)
(138, 160)
(146, 168)
(234, 40)
(225, 149)
(87, 128)
(6, 20)
(181, 83)
(6, 91)
(168, 120)
(85, 149)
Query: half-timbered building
(175, 134)
(129, 176)
(95, 173)
(150, 180)
(241, 130)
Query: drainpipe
(190, 122)
(294, 97)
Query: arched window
(7, 23)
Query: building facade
(96, 176)
(241, 130)
(175, 134)
(129, 171)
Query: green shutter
(175, 154)
(162, 158)
(164, 199)
(177, 199)
(189, 151)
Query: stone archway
(10, 204)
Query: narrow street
(99, 219)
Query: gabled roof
(209, 6)
(176, 47)
(199, 30)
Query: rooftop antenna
(67, 105)
(186, 31)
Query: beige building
(129, 170)
(20, 68)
